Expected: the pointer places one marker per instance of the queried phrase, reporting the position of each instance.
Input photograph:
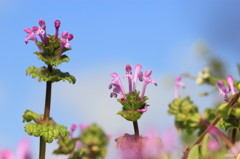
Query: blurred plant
(90, 144)
(50, 51)
(22, 151)
(188, 119)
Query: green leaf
(194, 153)
(130, 115)
(48, 132)
(204, 146)
(56, 75)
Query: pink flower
(137, 75)
(146, 80)
(143, 110)
(72, 129)
(129, 76)
(178, 83)
(231, 85)
(64, 41)
(118, 87)
(57, 24)
(83, 127)
(224, 91)
(214, 145)
(6, 154)
(22, 152)
(23, 149)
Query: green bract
(50, 55)
(130, 106)
(44, 74)
(49, 130)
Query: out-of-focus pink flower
(78, 144)
(231, 84)
(178, 83)
(83, 127)
(23, 149)
(6, 154)
(214, 145)
(72, 129)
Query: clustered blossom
(41, 32)
(224, 91)
(132, 82)
(178, 83)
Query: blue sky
(160, 35)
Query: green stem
(234, 133)
(46, 117)
(136, 130)
(216, 120)
(42, 148)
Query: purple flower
(64, 41)
(137, 75)
(224, 91)
(42, 32)
(129, 76)
(178, 83)
(231, 85)
(57, 24)
(32, 36)
(118, 87)
(146, 80)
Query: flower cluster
(224, 91)
(41, 32)
(132, 82)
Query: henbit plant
(226, 116)
(50, 51)
(91, 143)
(134, 104)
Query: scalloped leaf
(56, 75)
(130, 115)
(133, 101)
(48, 132)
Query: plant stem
(216, 120)
(136, 130)
(234, 133)
(46, 115)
